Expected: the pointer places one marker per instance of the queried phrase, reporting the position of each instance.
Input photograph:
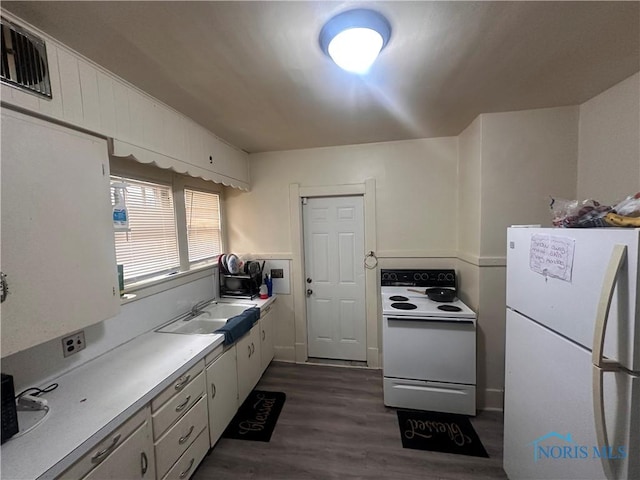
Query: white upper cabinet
(92, 98)
(57, 235)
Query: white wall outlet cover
(73, 343)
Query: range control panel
(418, 278)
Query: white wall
(527, 157)
(609, 145)
(470, 189)
(37, 365)
(510, 163)
(415, 192)
(416, 197)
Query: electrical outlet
(277, 273)
(73, 343)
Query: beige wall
(509, 165)
(609, 146)
(416, 214)
(500, 171)
(469, 189)
(416, 193)
(527, 157)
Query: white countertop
(94, 399)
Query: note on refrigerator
(552, 256)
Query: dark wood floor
(334, 426)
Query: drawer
(264, 311)
(179, 437)
(177, 386)
(215, 354)
(178, 405)
(132, 460)
(189, 461)
(104, 448)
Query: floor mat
(257, 416)
(440, 432)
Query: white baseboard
(284, 354)
(373, 357)
(491, 399)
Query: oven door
(426, 348)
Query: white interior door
(334, 273)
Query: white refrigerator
(572, 359)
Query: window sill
(166, 282)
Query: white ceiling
(253, 73)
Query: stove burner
(398, 298)
(449, 308)
(404, 306)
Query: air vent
(24, 60)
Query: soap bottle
(269, 282)
(120, 213)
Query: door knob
(309, 280)
(309, 292)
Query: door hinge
(114, 291)
(103, 172)
(304, 200)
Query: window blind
(204, 236)
(151, 247)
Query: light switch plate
(73, 343)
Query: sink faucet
(197, 308)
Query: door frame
(368, 191)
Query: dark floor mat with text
(439, 432)
(257, 416)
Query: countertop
(94, 399)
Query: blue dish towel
(237, 326)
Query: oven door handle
(429, 320)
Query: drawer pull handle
(263, 335)
(144, 462)
(102, 454)
(213, 386)
(182, 406)
(184, 474)
(253, 348)
(186, 437)
(249, 350)
(181, 384)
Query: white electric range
(429, 347)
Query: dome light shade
(353, 39)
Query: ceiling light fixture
(353, 39)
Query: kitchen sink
(212, 318)
(224, 310)
(197, 325)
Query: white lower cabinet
(179, 419)
(133, 459)
(187, 463)
(222, 393)
(125, 453)
(266, 339)
(249, 363)
(180, 437)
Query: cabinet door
(57, 236)
(266, 339)
(133, 459)
(248, 362)
(222, 393)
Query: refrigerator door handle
(611, 275)
(600, 422)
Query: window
(175, 226)
(204, 236)
(150, 248)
